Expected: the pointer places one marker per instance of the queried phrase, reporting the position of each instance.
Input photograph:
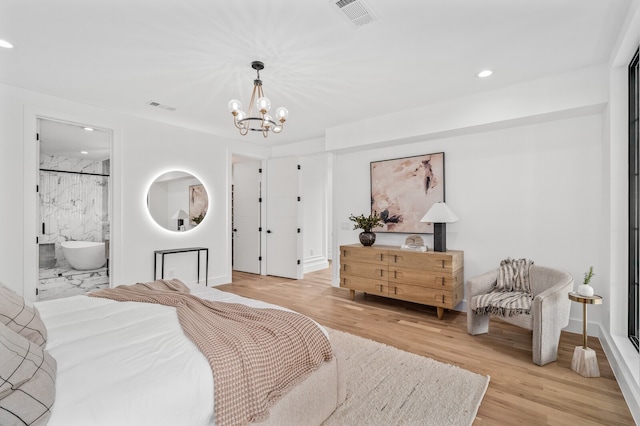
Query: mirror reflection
(177, 201)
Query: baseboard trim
(216, 281)
(627, 380)
(315, 263)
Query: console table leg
(353, 294)
(440, 312)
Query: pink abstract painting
(404, 189)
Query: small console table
(163, 253)
(584, 360)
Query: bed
(129, 363)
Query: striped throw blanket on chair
(512, 293)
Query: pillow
(24, 320)
(27, 381)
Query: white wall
(531, 191)
(142, 150)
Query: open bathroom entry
(74, 198)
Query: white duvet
(128, 363)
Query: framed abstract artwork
(198, 204)
(404, 189)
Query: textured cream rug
(387, 386)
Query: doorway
(246, 215)
(74, 191)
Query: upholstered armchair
(549, 309)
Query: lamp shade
(440, 213)
(180, 214)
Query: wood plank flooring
(519, 392)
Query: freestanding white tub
(84, 255)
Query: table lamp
(440, 214)
(180, 215)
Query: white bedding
(128, 363)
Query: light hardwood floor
(519, 392)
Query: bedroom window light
(634, 202)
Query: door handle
(235, 230)
(268, 231)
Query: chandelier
(263, 122)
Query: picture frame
(404, 189)
(198, 203)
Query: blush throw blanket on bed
(256, 355)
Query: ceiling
(195, 55)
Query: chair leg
(477, 324)
(545, 345)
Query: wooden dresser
(430, 278)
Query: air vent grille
(159, 105)
(355, 11)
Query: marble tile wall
(72, 207)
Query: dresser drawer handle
(381, 273)
(442, 263)
(442, 280)
(380, 288)
(381, 257)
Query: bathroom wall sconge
(440, 214)
(180, 216)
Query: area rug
(387, 386)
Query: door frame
(31, 178)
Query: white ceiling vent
(354, 11)
(159, 105)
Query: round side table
(584, 360)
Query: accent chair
(549, 309)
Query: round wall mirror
(177, 201)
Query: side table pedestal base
(585, 362)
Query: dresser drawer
(365, 270)
(363, 254)
(426, 295)
(437, 280)
(365, 285)
(447, 262)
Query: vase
(585, 290)
(367, 238)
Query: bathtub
(84, 255)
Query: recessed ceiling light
(6, 44)
(84, 152)
(485, 73)
(88, 129)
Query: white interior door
(246, 216)
(284, 218)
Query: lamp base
(439, 237)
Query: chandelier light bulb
(241, 115)
(263, 104)
(277, 129)
(267, 121)
(234, 106)
(282, 114)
